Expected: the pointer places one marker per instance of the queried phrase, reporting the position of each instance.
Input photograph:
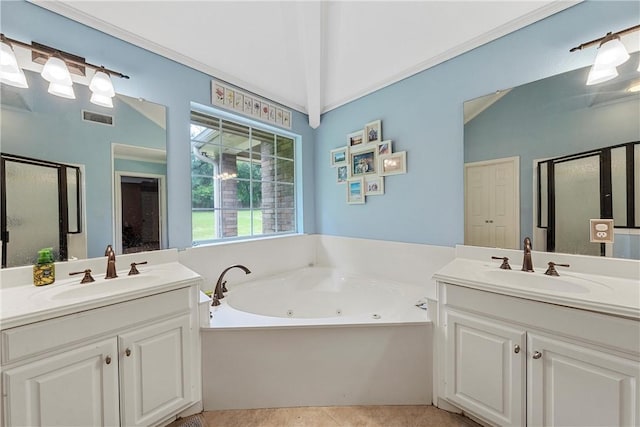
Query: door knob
(537, 355)
(127, 352)
(516, 349)
(107, 360)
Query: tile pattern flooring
(339, 416)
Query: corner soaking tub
(317, 337)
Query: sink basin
(73, 289)
(566, 283)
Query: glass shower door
(577, 200)
(32, 211)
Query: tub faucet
(218, 292)
(111, 263)
(527, 263)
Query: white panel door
(492, 212)
(485, 367)
(572, 385)
(76, 388)
(155, 371)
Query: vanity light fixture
(10, 72)
(102, 89)
(611, 53)
(57, 70)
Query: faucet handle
(551, 270)
(134, 270)
(87, 276)
(505, 262)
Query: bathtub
(317, 337)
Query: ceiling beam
(311, 20)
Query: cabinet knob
(107, 360)
(516, 349)
(127, 352)
(537, 355)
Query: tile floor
(339, 416)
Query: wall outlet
(601, 230)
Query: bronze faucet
(218, 292)
(527, 263)
(505, 262)
(111, 263)
(551, 271)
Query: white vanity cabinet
(515, 362)
(129, 364)
(485, 369)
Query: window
(242, 180)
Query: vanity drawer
(570, 322)
(63, 332)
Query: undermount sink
(540, 281)
(73, 289)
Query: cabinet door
(155, 371)
(76, 388)
(485, 367)
(572, 385)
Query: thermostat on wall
(601, 230)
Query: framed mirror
(557, 120)
(128, 140)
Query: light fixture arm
(65, 58)
(608, 37)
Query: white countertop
(605, 294)
(23, 304)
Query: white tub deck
(256, 361)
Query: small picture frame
(342, 174)
(339, 156)
(272, 113)
(218, 93)
(286, 119)
(229, 97)
(238, 101)
(384, 148)
(256, 108)
(393, 164)
(355, 139)
(279, 115)
(264, 111)
(373, 185)
(355, 191)
(248, 104)
(373, 132)
(363, 162)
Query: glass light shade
(16, 79)
(8, 59)
(601, 74)
(101, 100)
(611, 54)
(56, 71)
(101, 84)
(63, 91)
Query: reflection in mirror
(554, 120)
(77, 133)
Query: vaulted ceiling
(311, 56)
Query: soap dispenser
(44, 272)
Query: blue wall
(155, 79)
(423, 115)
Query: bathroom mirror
(127, 143)
(507, 133)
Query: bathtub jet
(220, 288)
